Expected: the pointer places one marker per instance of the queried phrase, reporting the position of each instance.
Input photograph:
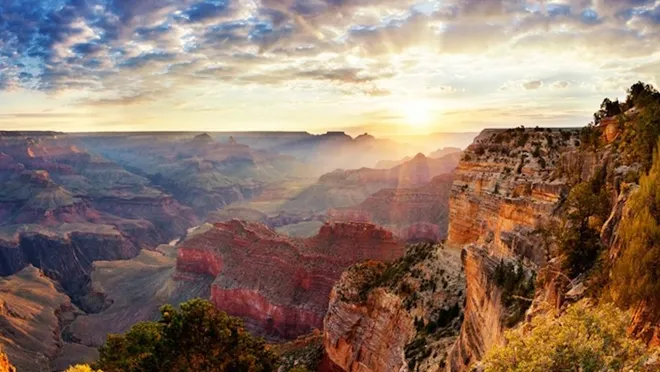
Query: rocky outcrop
(397, 317)
(279, 285)
(412, 214)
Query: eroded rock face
(482, 325)
(503, 190)
(280, 285)
(398, 317)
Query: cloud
(532, 85)
(106, 48)
(561, 84)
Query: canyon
(348, 275)
(91, 213)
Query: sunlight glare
(417, 114)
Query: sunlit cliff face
(389, 67)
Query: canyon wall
(505, 189)
(278, 284)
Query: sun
(417, 114)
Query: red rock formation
(280, 285)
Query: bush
(585, 338)
(196, 338)
(542, 163)
(636, 277)
(536, 152)
(640, 95)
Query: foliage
(639, 139)
(517, 289)
(640, 95)
(82, 368)
(588, 206)
(522, 139)
(195, 338)
(590, 137)
(584, 338)
(636, 276)
(607, 109)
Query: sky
(387, 67)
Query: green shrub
(585, 338)
(196, 338)
(636, 276)
(640, 136)
(522, 139)
(536, 152)
(590, 137)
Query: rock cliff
(505, 189)
(64, 252)
(396, 317)
(280, 285)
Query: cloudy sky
(383, 66)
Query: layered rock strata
(507, 187)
